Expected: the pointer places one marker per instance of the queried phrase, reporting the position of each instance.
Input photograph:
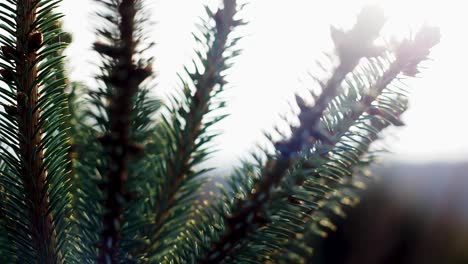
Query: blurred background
(281, 44)
(425, 171)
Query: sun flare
(283, 29)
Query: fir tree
(111, 175)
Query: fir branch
(368, 117)
(36, 203)
(91, 131)
(189, 141)
(364, 115)
(27, 96)
(125, 77)
(409, 54)
(248, 213)
(29, 41)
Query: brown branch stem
(125, 78)
(34, 176)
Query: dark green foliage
(34, 147)
(107, 175)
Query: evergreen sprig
(249, 213)
(188, 131)
(119, 125)
(34, 176)
(102, 175)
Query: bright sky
(283, 40)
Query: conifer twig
(249, 213)
(34, 176)
(125, 78)
(180, 163)
(408, 55)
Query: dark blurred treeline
(418, 213)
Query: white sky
(284, 38)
